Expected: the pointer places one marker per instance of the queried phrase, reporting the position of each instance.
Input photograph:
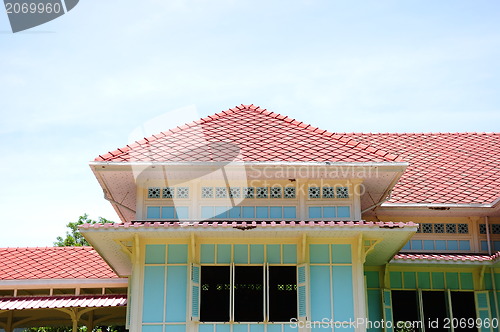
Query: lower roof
(113, 240)
(446, 258)
(53, 263)
(241, 224)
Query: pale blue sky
(77, 87)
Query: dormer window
(262, 200)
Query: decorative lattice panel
(249, 192)
(328, 192)
(183, 192)
(342, 192)
(276, 192)
(262, 192)
(438, 228)
(314, 192)
(168, 192)
(154, 192)
(207, 192)
(451, 228)
(426, 228)
(482, 229)
(289, 192)
(220, 192)
(463, 229)
(235, 192)
(495, 228)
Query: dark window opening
(405, 306)
(248, 293)
(463, 308)
(435, 309)
(282, 293)
(214, 295)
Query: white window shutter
(483, 309)
(302, 291)
(266, 291)
(195, 292)
(231, 292)
(387, 308)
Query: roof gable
(249, 134)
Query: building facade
(249, 221)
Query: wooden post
(90, 324)
(10, 318)
(74, 318)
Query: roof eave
(63, 282)
(438, 262)
(441, 205)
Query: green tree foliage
(73, 237)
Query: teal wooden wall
(331, 283)
(165, 288)
(486, 301)
(164, 306)
(248, 253)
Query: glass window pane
(207, 212)
(276, 211)
(282, 293)
(428, 244)
(214, 298)
(262, 212)
(221, 212)
(464, 244)
(452, 245)
(434, 305)
(289, 212)
(248, 212)
(329, 212)
(343, 212)
(168, 212)
(235, 212)
(182, 212)
(404, 306)
(315, 212)
(463, 308)
(248, 294)
(153, 212)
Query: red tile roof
(255, 133)
(53, 263)
(445, 168)
(58, 301)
